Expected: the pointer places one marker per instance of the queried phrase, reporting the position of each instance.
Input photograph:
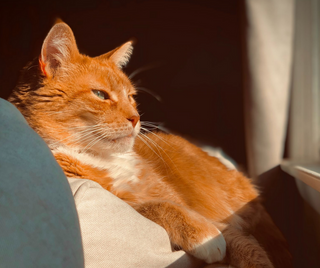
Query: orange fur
(169, 180)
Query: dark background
(195, 48)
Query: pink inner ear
(58, 48)
(42, 66)
(52, 53)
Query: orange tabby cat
(84, 109)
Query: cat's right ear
(119, 56)
(58, 48)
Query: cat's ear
(120, 56)
(58, 48)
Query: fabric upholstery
(115, 235)
(39, 224)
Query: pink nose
(134, 119)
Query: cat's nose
(134, 119)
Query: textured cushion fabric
(39, 224)
(115, 235)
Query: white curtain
(304, 131)
(283, 54)
(269, 44)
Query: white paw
(212, 249)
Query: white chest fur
(122, 168)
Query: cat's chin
(115, 146)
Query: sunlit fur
(192, 195)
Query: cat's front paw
(187, 230)
(211, 249)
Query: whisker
(88, 145)
(152, 123)
(163, 152)
(147, 130)
(145, 142)
(32, 67)
(145, 68)
(103, 135)
(79, 135)
(156, 145)
(159, 155)
(147, 124)
(95, 141)
(153, 94)
(152, 142)
(84, 137)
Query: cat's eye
(100, 94)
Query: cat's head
(74, 100)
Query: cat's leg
(272, 240)
(243, 250)
(254, 219)
(186, 229)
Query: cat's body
(84, 109)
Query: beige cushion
(115, 235)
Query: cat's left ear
(119, 56)
(58, 48)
